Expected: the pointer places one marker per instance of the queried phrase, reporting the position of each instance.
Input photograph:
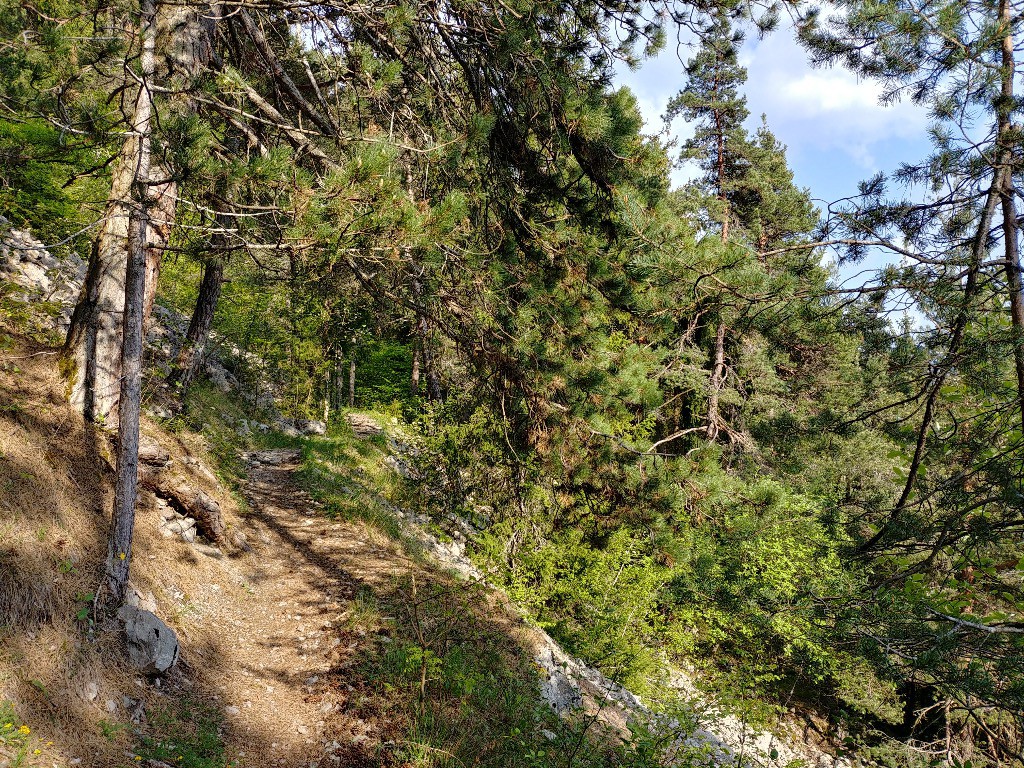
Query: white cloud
(827, 109)
(815, 110)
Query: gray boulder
(152, 645)
(299, 427)
(313, 427)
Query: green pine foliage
(677, 442)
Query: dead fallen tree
(187, 499)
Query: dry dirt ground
(287, 625)
(268, 636)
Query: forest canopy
(677, 438)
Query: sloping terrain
(351, 632)
(320, 641)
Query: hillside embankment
(307, 638)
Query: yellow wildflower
(24, 730)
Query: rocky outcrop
(299, 427)
(190, 502)
(363, 426)
(38, 275)
(50, 286)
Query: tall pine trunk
(186, 364)
(180, 38)
(133, 301)
(93, 345)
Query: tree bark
(717, 379)
(93, 344)
(352, 380)
(130, 403)
(163, 199)
(414, 379)
(180, 39)
(194, 346)
(434, 391)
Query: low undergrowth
(347, 475)
(185, 733)
(15, 738)
(457, 689)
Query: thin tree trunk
(192, 349)
(718, 366)
(414, 380)
(1014, 283)
(129, 408)
(434, 391)
(720, 166)
(978, 250)
(352, 380)
(717, 378)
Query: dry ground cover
(324, 640)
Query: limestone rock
(401, 467)
(152, 645)
(363, 426)
(144, 601)
(274, 457)
(41, 275)
(314, 427)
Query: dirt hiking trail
(285, 630)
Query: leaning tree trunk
(180, 35)
(194, 346)
(133, 301)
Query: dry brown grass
(66, 679)
(53, 500)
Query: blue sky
(836, 132)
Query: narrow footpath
(285, 637)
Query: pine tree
(746, 190)
(954, 233)
(712, 100)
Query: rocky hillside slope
(305, 637)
